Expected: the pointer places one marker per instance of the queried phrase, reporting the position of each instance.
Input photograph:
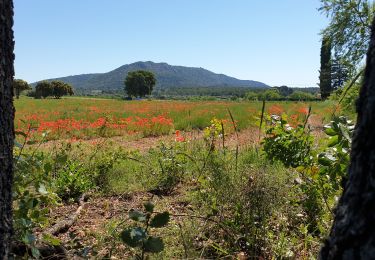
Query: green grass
(162, 117)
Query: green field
(84, 118)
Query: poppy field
(84, 118)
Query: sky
(273, 41)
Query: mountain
(167, 76)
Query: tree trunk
(6, 124)
(353, 233)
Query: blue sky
(274, 41)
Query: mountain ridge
(168, 76)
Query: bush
(171, 167)
(301, 96)
(32, 195)
(251, 96)
(271, 94)
(72, 181)
(290, 145)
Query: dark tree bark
(6, 124)
(353, 233)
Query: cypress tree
(325, 68)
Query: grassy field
(90, 118)
(225, 198)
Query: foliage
(349, 28)
(301, 96)
(72, 180)
(139, 236)
(285, 91)
(139, 83)
(334, 160)
(172, 165)
(43, 89)
(271, 94)
(32, 195)
(340, 72)
(325, 68)
(321, 173)
(20, 85)
(290, 145)
(54, 88)
(60, 89)
(251, 96)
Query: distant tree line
(216, 92)
(283, 93)
(55, 89)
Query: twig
(238, 140)
(66, 224)
(261, 118)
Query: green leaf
(133, 236)
(333, 141)
(154, 245)
(323, 160)
(160, 220)
(35, 214)
(329, 131)
(51, 240)
(149, 207)
(35, 252)
(345, 132)
(28, 238)
(62, 159)
(47, 167)
(42, 189)
(137, 215)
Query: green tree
(43, 89)
(271, 94)
(20, 85)
(251, 96)
(340, 72)
(139, 83)
(325, 68)
(285, 91)
(349, 28)
(300, 95)
(353, 232)
(60, 89)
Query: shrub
(171, 167)
(32, 195)
(139, 236)
(287, 144)
(300, 95)
(72, 181)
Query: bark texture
(353, 233)
(6, 124)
